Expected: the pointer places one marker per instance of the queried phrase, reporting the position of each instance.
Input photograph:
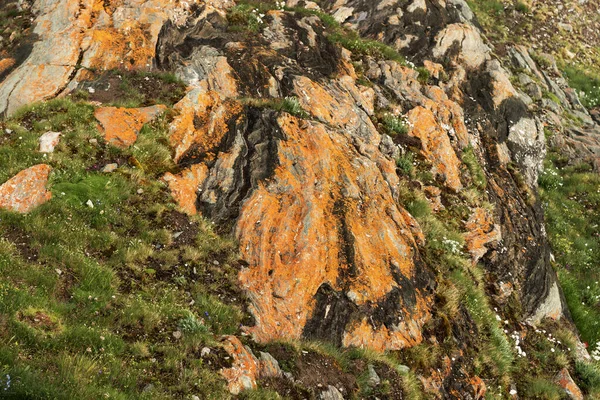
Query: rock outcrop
(281, 139)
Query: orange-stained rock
(436, 146)
(434, 69)
(26, 190)
(478, 388)
(564, 380)
(184, 186)
(481, 230)
(433, 194)
(122, 125)
(315, 227)
(5, 64)
(245, 369)
(95, 35)
(201, 123)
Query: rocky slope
(376, 163)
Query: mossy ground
(90, 297)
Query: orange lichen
(481, 230)
(436, 146)
(122, 125)
(245, 369)
(5, 64)
(202, 123)
(26, 190)
(184, 186)
(289, 232)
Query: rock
(331, 393)
(478, 388)
(70, 35)
(564, 380)
(108, 168)
(342, 14)
(121, 126)
(243, 373)
(481, 230)
(527, 144)
(184, 186)
(26, 190)
(436, 146)
(434, 69)
(48, 141)
(472, 51)
(373, 379)
(269, 367)
(551, 307)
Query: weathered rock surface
(48, 141)
(564, 380)
(246, 369)
(74, 37)
(26, 190)
(121, 126)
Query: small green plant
(394, 125)
(405, 163)
(191, 325)
(290, 105)
(424, 75)
(477, 173)
(521, 7)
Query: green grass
(571, 200)
(110, 284)
(291, 105)
(477, 173)
(405, 163)
(586, 83)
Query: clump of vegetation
(291, 105)
(521, 7)
(477, 173)
(394, 125)
(405, 163)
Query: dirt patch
(22, 242)
(39, 320)
(184, 230)
(132, 89)
(312, 373)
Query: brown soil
(140, 88)
(40, 321)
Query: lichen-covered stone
(26, 190)
(121, 126)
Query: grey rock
(374, 379)
(331, 393)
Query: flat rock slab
(26, 190)
(121, 126)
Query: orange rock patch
(436, 146)
(245, 369)
(122, 125)
(296, 229)
(5, 64)
(184, 186)
(26, 190)
(481, 230)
